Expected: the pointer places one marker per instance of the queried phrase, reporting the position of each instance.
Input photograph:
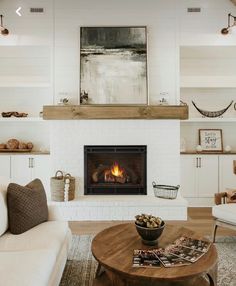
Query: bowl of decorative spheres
(150, 235)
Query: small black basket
(165, 191)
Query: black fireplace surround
(115, 170)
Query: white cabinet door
(21, 169)
(207, 174)
(42, 170)
(188, 176)
(5, 166)
(25, 168)
(226, 172)
(199, 176)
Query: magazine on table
(170, 260)
(189, 254)
(184, 251)
(197, 244)
(145, 258)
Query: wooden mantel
(76, 112)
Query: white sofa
(224, 213)
(36, 257)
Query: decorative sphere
(227, 148)
(199, 148)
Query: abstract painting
(113, 65)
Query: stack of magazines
(183, 251)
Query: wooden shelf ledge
(76, 112)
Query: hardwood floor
(199, 220)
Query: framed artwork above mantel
(113, 65)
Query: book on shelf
(183, 251)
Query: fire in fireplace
(115, 170)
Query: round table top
(113, 249)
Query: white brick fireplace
(162, 140)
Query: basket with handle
(165, 191)
(57, 184)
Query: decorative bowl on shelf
(149, 228)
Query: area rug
(81, 267)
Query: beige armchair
(224, 213)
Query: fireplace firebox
(115, 170)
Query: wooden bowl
(150, 235)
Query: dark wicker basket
(165, 191)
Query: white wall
(168, 24)
(158, 16)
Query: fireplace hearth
(115, 170)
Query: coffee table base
(108, 278)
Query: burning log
(98, 173)
(114, 174)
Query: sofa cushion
(225, 212)
(3, 205)
(47, 235)
(27, 206)
(27, 268)
(34, 256)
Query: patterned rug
(81, 266)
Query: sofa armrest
(220, 198)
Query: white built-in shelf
(12, 153)
(207, 66)
(208, 81)
(21, 119)
(24, 81)
(207, 119)
(193, 152)
(25, 66)
(28, 84)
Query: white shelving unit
(206, 81)
(208, 78)
(21, 119)
(25, 86)
(18, 83)
(209, 120)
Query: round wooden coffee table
(113, 249)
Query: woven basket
(57, 184)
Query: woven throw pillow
(27, 206)
(3, 205)
(231, 196)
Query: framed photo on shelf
(211, 140)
